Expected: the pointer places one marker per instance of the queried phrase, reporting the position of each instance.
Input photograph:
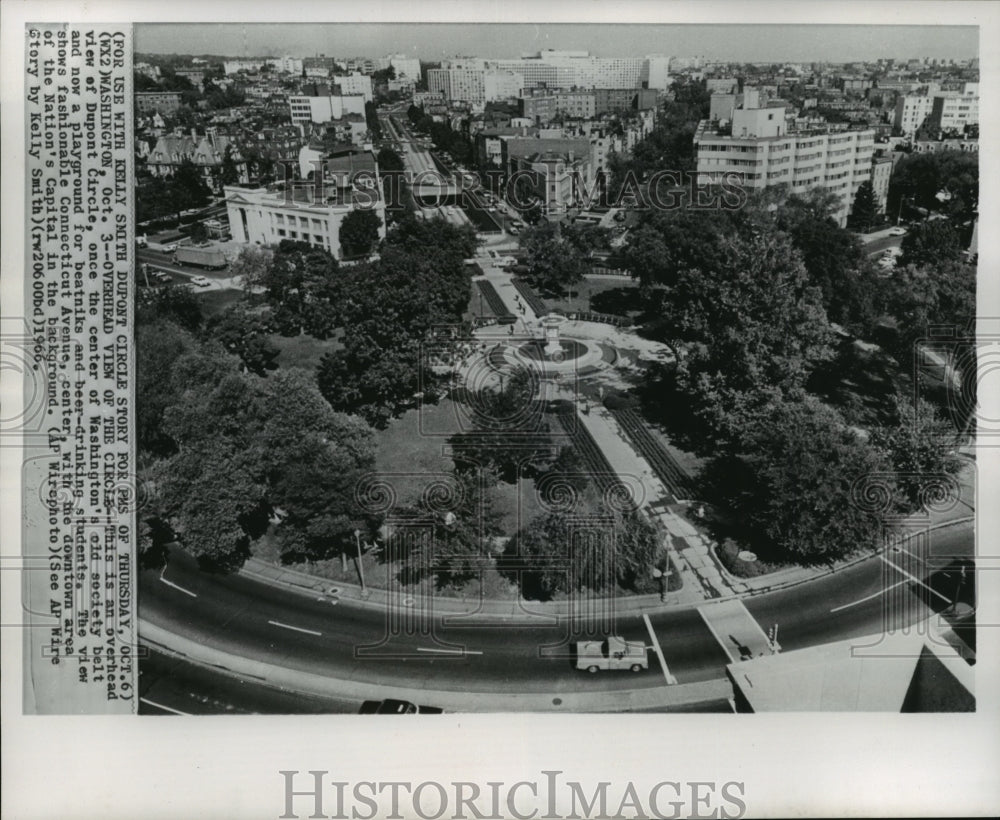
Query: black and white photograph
(506, 367)
(554, 380)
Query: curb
(520, 609)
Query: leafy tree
(389, 161)
(919, 178)
(230, 174)
(251, 267)
(188, 187)
(667, 243)
(570, 555)
(245, 335)
(359, 231)
(251, 448)
(920, 446)
(461, 533)
(159, 342)
(942, 295)
(865, 209)
(176, 303)
(796, 483)
(199, 233)
(755, 316)
(499, 413)
(388, 310)
(553, 261)
(301, 286)
(833, 257)
(930, 243)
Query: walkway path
(689, 548)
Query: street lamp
(361, 569)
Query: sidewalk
(690, 549)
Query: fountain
(550, 325)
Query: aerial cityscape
(560, 381)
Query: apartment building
(880, 174)
(542, 106)
(354, 83)
(286, 64)
(265, 216)
(953, 113)
(938, 110)
(236, 66)
(656, 72)
(763, 152)
(324, 104)
(157, 102)
(403, 66)
(568, 69)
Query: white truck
(613, 652)
(202, 257)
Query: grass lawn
(410, 449)
(478, 305)
(214, 302)
(302, 351)
(612, 295)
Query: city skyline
(434, 41)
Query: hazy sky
(433, 41)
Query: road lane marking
(295, 628)
(915, 579)
(450, 651)
(164, 708)
(868, 598)
(659, 652)
(178, 587)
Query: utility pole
(361, 569)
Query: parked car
(160, 277)
(897, 231)
(171, 248)
(613, 652)
(201, 281)
(396, 707)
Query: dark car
(396, 707)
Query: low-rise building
(306, 211)
(206, 153)
(157, 102)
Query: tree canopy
(554, 261)
(359, 232)
(802, 485)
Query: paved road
(241, 616)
